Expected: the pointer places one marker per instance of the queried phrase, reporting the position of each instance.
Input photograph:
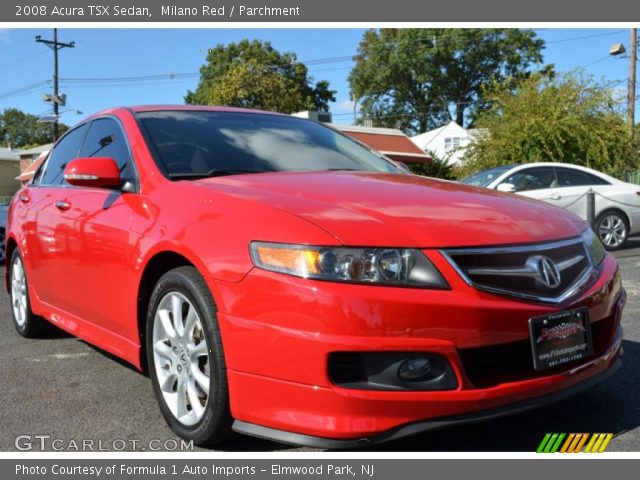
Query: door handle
(556, 196)
(62, 205)
(24, 198)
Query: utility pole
(633, 57)
(55, 46)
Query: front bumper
(279, 331)
(420, 426)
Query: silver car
(565, 185)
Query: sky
(175, 56)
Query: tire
(27, 324)
(612, 227)
(2, 246)
(185, 358)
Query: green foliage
(21, 130)
(569, 118)
(437, 168)
(252, 74)
(419, 79)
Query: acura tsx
(278, 279)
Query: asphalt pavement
(60, 388)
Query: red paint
(85, 265)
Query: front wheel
(185, 358)
(612, 228)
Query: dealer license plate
(560, 338)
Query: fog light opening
(414, 369)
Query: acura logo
(546, 271)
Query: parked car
(564, 185)
(281, 280)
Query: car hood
(387, 209)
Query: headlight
(594, 247)
(382, 266)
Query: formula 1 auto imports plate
(560, 338)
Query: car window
(485, 177)
(533, 179)
(105, 139)
(568, 177)
(189, 144)
(64, 151)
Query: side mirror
(506, 187)
(97, 172)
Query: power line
(586, 37)
(26, 88)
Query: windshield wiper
(218, 172)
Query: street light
(55, 117)
(618, 50)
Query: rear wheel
(613, 229)
(27, 324)
(185, 358)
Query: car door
(573, 185)
(534, 182)
(101, 265)
(39, 209)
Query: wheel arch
(11, 245)
(616, 210)
(159, 264)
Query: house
(27, 174)
(27, 157)
(9, 170)
(390, 142)
(448, 142)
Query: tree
(569, 118)
(419, 79)
(253, 74)
(20, 129)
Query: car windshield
(485, 177)
(199, 143)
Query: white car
(564, 185)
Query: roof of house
(9, 154)
(36, 150)
(388, 141)
(424, 139)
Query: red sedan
(278, 279)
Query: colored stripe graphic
(567, 442)
(581, 443)
(574, 442)
(543, 443)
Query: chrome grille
(550, 272)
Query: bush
(569, 118)
(437, 168)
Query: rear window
(199, 143)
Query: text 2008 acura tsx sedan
(281, 280)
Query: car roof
(190, 108)
(566, 165)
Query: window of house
(451, 143)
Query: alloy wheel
(181, 360)
(612, 231)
